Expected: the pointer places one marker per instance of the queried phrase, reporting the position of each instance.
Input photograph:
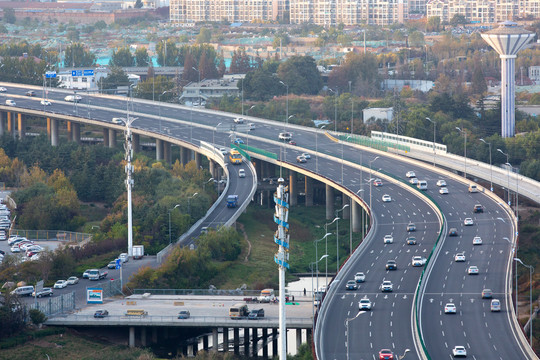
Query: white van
(473, 188)
(242, 173)
(422, 185)
(124, 257)
(10, 102)
(23, 291)
(117, 120)
(285, 136)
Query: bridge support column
(105, 137)
(136, 142)
(143, 336)
(198, 160)
(195, 348)
(154, 335)
(159, 149)
(131, 336)
(246, 341)
(212, 169)
(21, 125)
(205, 342)
(329, 202)
(2, 123)
(298, 338)
(265, 343)
(215, 342)
(356, 214)
(185, 155)
(236, 340)
(293, 188)
(69, 129)
(167, 156)
(76, 132)
(54, 132)
(309, 191)
(258, 168)
(112, 138)
(254, 337)
(347, 211)
(275, 342)
(225, 339)
(11, 123)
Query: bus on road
(235, 157)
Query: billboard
(94, 295)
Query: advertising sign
(94, 296)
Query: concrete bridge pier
(265, 343)
(54, 132)
(309, 191)
(205, 343)
(215, 347)
(143, 336)
(11, 123)
(167, 155)
(136, 142)
(195, 347)
(329, 202)
(2, 123)
(112, 138)
(225, 339)
(69, 130)
(154, 335)
(236, 341)
(185, 155)
(255, 341)
(159, 149)
(298, 338)
(21, 125)
(131, 336)
(76, 132)
(105, 137)
(246, 341)
(198, 160)
(258, 168)
(293, 188)
(356, 217)
(212, 169)
(347, 211)
(275, 342)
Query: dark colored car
(452, 232)
(256, 314)
(391, 265)
(184, 314)
(30, 93)
(101, 313)
(487, 294)
(411, 227)
(478, 208)
(411, 240)
(112, 265)
(351, 285)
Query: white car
(117, 120)
(450, 308)
(364, 304)
(301, 159)
(388, 239)
(418, 261)
(14, 238)
(306, 155)
(45, 102)
(414, 181)
(15, 249)
(3, 89)
(468, 222)
(60, 284)
(477, 240)
(410, 174)
(360, 277)
(73, 98)
(443, 191)
(459, 257)
(473, 270)
(386, 198)
(242, 173)
(72, 280)
(238, 120)
(11, 102)
(459, 351)
(387, 286)
(441, 183)
(223, 151)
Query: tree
(141, 57)
(433, 24)
(207, 67)
(9, 15)
(37, 317)
(122, 58)
(138, 4)
(77, 56)
(260, 85)
(204, 36)
(240, 62)
(416, 39)
(301, 74)
(167, 53)
(458, 19)
(116, 77)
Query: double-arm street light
(175, 206)
(508, 173)
(531, 271)
(337, 235)
(434, 132)
(347, 329)
(490, 164)
(465, 148)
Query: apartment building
(189, 11)
(483, 11)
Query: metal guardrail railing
(110, 287)
(56, 305)
(52, 235)
(372, 143)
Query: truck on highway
(96, 274)
(138, 252)
(232, 201)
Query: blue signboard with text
(88, 72)
(50, 74)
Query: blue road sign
(88, 72)
(50, 74)
(76, 72)
(118, 264)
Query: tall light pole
(315, 243)
(465, 148)
(247, 111)
(531, 271)
(404, 353)
(213, 134)
(243, 97)
(347, 329)
(371, 179)
(313, 291)
(434, 130)
(326, 245)
(508, 173)
(352, 106)
(189, 203)
(490, 165)
(287, 107)
(317, 149)
(336, 94)
(337, 235)
(198, 84)
(159, 106)
(175, 206)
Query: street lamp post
(531, 271)
(247, 111)
(287, 107)
(404, 353)
(465, 148)
(347, 329)
(313, 290)
(317, 149)
(199, 85)
(336, 94)
(207, 181)
(189, 203)
(490, 164)
(159, 106)
(337, 235)
(315, 243)
(214, 133)
(508, 173)
(326, 246)
(371, 179)
(175, 206)
(352, 106)
(434, 132)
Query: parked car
(112, 265)
(184, 314)
(101, 313)
(256, 314)
(72, 280)
(60, 284)
(43, 292)
(86, 274)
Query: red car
(386, 354)
(377, 182)
(292, 142)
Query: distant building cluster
(350, 12)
